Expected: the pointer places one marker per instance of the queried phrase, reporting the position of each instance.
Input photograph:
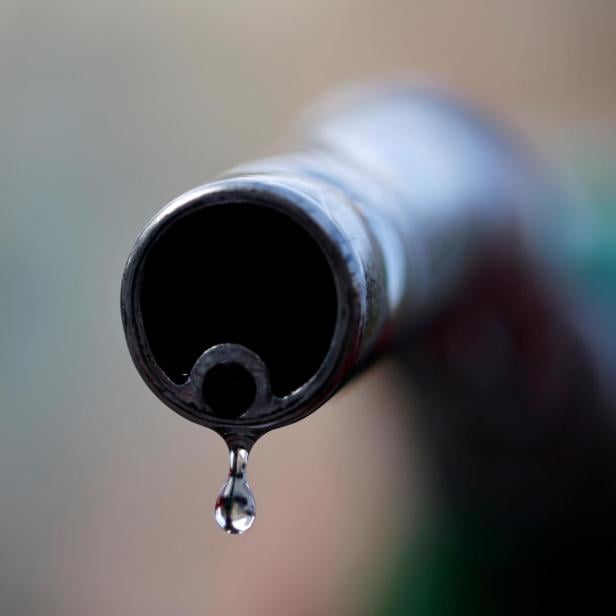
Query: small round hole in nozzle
(229, 390)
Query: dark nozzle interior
(238, 273)
(229, 390)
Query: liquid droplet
(235, 505)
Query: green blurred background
(107, 111)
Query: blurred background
(110, 109)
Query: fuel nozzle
(249, 301)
